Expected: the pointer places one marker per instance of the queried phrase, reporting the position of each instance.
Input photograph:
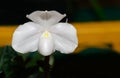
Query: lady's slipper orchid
(45, 34)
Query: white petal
(25, 38)
(46, 45)
(46, 17)
(65, 37)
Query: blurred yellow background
(90, 34)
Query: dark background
(92, 62)
(14, 11)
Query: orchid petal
(46, 45)
(65, 37)
(26, 37)
(46, 17)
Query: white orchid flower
(45, 34)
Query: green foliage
(16, 65)
(31, 65)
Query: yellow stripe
(90, 34)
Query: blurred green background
(92, 62)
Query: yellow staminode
(90, 34)
(46, 34)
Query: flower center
(46, 34)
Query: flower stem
(46, 67)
